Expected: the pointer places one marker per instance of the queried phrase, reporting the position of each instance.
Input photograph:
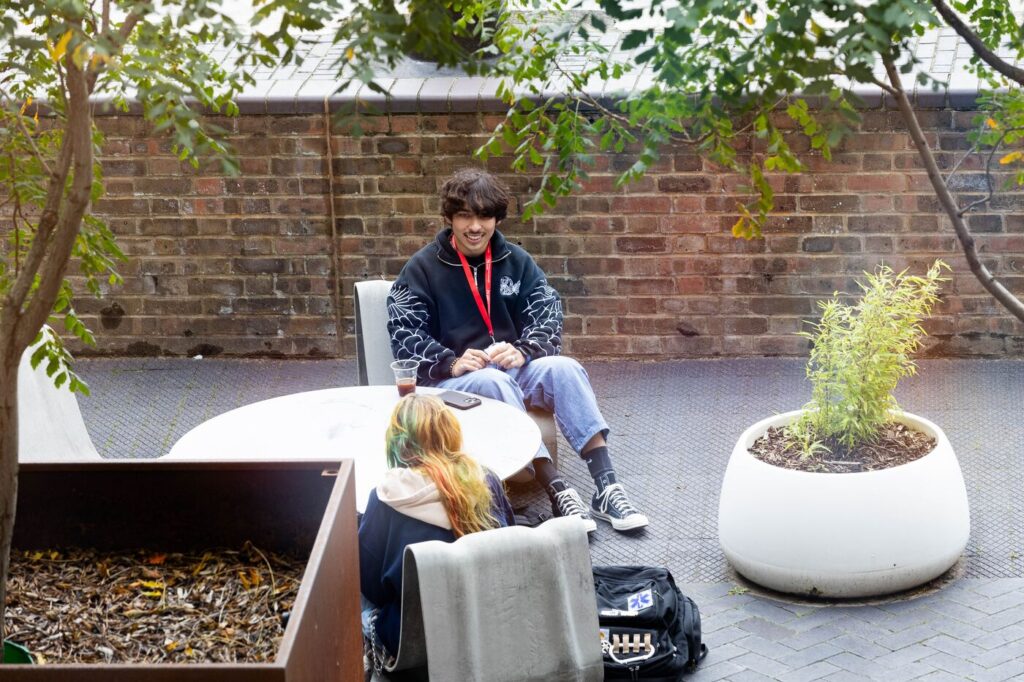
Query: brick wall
(245, 266)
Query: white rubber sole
(589, 524)
(631, 522)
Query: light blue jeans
(377, 652)
(555, 383)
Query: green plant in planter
(859, 354)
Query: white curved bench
(50, 424)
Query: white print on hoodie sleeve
(542, 331)
(409, 323)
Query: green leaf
(635, 39)
(646, 55)
(37, 356)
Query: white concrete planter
(843, 535)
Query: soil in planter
(896, 444)
(82, 606)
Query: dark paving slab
(971, 630)
(673, 427)
(138, 408)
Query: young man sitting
(478, 315)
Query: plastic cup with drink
(405, 376)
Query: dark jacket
(384, 533)
(433, 318)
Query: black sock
(600, 464)
(547, 475)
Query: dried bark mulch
(84, 606)
(896, 444)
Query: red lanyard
(485, 313)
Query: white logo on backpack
(640, 601)
(617, 613)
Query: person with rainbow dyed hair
(432, 490)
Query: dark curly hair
(476, 191)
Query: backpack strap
(525, 520)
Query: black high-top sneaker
(612, 505)
(568, 503)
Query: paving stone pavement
(973, 629)
(673, 427)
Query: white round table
(350, 422)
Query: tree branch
(15, 213)
(884, 86)
(41, 248)
(62, 242)
(15, 298)
(987, 279)
(32, 143)
(988, 172)
(118, 39)
(972, 150)
(977, 44)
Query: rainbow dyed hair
(425, 435)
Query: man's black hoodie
(433, 318)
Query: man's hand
(472, 360)
(506, 356)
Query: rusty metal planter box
(176, 506)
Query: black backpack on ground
(649, 630)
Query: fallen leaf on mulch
(83, 606)
(156, 559)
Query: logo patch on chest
(508, 287)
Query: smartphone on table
(460, 401)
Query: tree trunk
(8, 463)
(948, 202)
(23, 315)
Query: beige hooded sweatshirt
(413, 494)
